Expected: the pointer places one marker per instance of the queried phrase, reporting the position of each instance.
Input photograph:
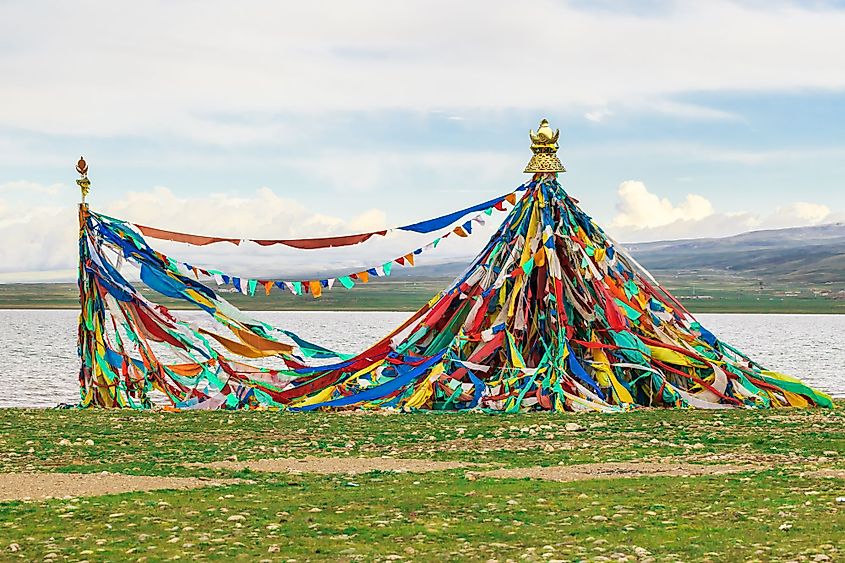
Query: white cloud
(640, 209)
(262, 214)
(707, 153)
(686, 110)
(36, 238)
(800, 213)
(644, 216)
(26, 187)
(157, 68)
(369, 220)
(598, 115)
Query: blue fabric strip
(446, 220)
(379, 391)
(581, 374)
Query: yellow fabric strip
(238, 348)
(516, 357)
(423, 393)
(796, 400)
(260, 343)
(670, 356)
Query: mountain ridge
(796, 254)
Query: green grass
(439, 515)
(727, 295)
(721, 292)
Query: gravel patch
(42, 485)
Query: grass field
(781, 504)
(716, 292)
(721, 295)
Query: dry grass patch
(42, 485)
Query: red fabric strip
(482, 353)
(325, 242)
(594, 345)
(196, 240)
(304, 243)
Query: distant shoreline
(4, 307)
(698, 294)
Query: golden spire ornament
(544, 146)
(84, 183)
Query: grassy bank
(700, 295)
(780, 507)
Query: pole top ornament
(84, 183)
(544, 146)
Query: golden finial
(544, 146)
(84, 183)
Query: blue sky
(678, 119)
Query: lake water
(40, 364)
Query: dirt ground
(339, 465)
(612, 471)
(39, 486)
(828, 473)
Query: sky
(678, 119)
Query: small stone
(89, 442)
(13, 547)
(599, 518)
(574, 427)
(236, 518)
(274, 549)
(785, 526)
(315, 509)
(64, 442)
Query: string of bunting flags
(422, 227)
(315, 287)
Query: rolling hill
(805, 255)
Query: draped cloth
(551, 314)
